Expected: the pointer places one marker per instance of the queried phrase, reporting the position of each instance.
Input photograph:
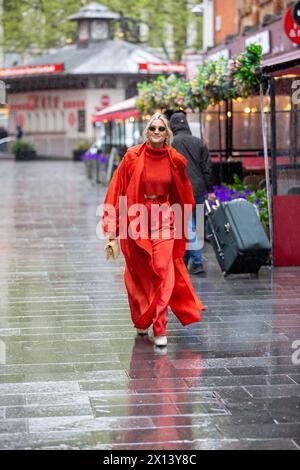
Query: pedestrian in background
(153, 174)
(3, 135)
(199, 173)
(19, 133)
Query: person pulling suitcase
(200, 175)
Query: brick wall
(232, 16)
(226, 19)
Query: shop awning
(123, 110)
(283, 61)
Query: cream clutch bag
(112, 250)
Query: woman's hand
(211, 197)
(109, 237)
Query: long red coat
(141, 280)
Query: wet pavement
(73, 374)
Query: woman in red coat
(148, 205)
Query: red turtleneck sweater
(157, 174)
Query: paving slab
(73, 374)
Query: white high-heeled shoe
(160, 341)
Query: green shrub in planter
(80, 149)
(23, 150)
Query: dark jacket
(195, 151)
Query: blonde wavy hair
(163, 118)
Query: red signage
(31, 70)
(105, 101)
(36, 102)
(20, 120)
(72, 118)
(162, 68)
(74, 104)
(292, 29)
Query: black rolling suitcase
(237, 236)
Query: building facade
(235, 17)
(237, 23)
(53, 97)
(234, 130)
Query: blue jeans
(194, 253)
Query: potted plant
(23, 150)
(80, 149)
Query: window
(81, 120)
(218, 23)
(83, 30)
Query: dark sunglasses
(160, 129)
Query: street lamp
(198, 9)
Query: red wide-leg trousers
(161, 234)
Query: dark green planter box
(77, 154)
(25, 155)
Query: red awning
(123, 110)
(116, 115)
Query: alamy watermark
(296, 93)
(159, 221)
(2, 92)
(296, 353)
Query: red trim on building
(31, 70)
(162, 68)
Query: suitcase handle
(210, 207)
(227, 227)
(214, 234)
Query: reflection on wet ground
(73, 375)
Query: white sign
(217, 55)
(263, 39)
(192, 63)
(218, 23)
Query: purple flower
(84, 156)
(103, 158)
